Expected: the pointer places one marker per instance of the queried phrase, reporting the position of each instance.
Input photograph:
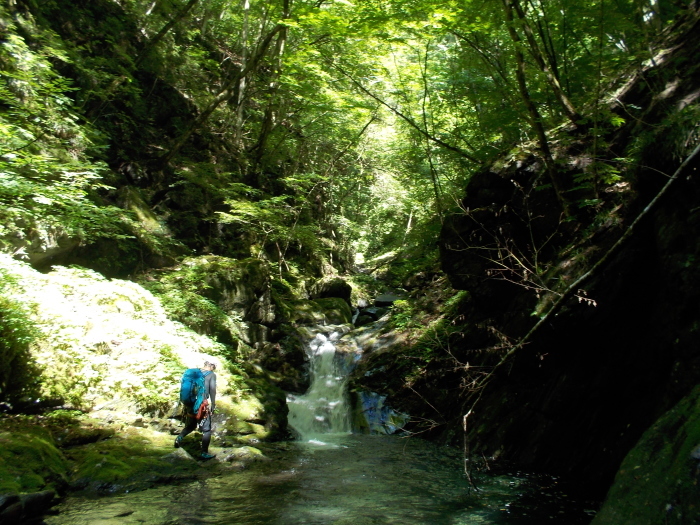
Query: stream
(330, 475)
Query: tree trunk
(269, 117)
(225, 94)
(164, 30)
(535, 117)
(536, 53)
(240, 92)
(433, 172)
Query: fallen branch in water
(467, 472)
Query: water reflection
(350, 479)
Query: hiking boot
(178, 441)
(206, 455)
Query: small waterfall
(324, 409)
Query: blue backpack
(192, 389)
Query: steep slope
(623, 348)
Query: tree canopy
(288, 128)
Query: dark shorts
(192, 423)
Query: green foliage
(183, 294)
(403, 316)
(47, 181)
(345, 135)
(19, 376)
(667, 143)
(272, 220)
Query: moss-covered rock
(229, 299)
(259, 414)
(103, 341)
(134, 459)
(30, 461)
(330, 310)
(64, 450)
(331, 287)
(659, 480)
(286, 363)
(246, 453)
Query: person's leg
(189, 427)
(205, 428)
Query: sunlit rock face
(239, 287)
(108, 347)
(104, 340)
(41, 244)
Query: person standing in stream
(204, 422)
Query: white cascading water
(323, 409)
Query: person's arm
(211, 380)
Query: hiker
(201, 417)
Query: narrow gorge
(444, 256)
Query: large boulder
(285, 360)
(258, 415)
(333, 287)
(24, 508)
(240, 286)
(659, 480)
(330, 310)
(229, 299)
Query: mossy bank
(94, 365)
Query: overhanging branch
(404, 117)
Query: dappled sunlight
(105, 341)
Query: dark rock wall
(579, 395)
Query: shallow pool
(345, 479)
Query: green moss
(330, 310)
(114, 461)
(659, 480)
(30, 461)
(258, 414)
(127, 461)
(209, 294)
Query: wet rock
(285, 360)
(335, 287)
(372, 415)
(375, 312)
(20, 508)
(7, 500)
(331, 310)
(259, 415)
(363, 320)
(179, 455)
(386, 299)
(37, 503)
(235, 465)
(245, 454)
(12, 513)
